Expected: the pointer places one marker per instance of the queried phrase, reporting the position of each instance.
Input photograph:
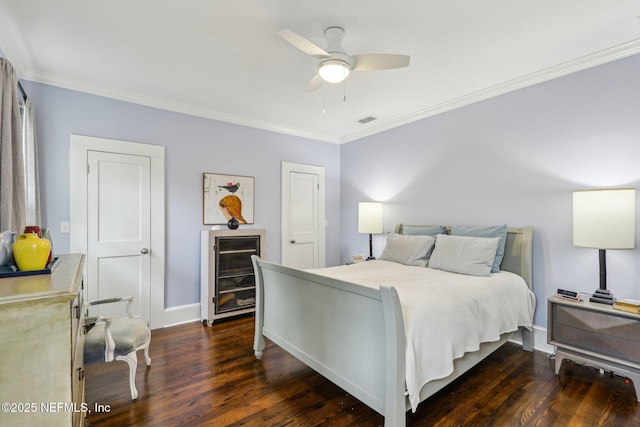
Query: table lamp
(604, 219)
(370, 221)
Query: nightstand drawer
(590, 321)
(598, 332)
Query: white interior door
(303, 218)
(119, 231)
(117, 221)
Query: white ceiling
(223, 59)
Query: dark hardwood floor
(203, 376)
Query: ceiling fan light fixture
(334, 70)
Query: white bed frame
(354, 335)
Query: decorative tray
(12, 270)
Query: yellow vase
(31, 252)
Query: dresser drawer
(77, 318)
(77, 360)
(607, 334)
(77, 379)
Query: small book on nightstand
(628, 304)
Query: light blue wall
(513, 159)
(193, 145)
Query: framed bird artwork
(227, 199)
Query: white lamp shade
(604, 219)
(370, 219)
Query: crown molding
(579, 64)
(165, 104)
(569, 67)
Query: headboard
(518, 251)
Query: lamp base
(602, 296)
(369, 258)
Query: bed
(347, 322)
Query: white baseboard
(539, 340)
(182, 314)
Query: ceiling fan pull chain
(344, 91)
(324, 98)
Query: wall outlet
(64, 227)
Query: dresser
(41, 347)
(597, 335)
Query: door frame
(287, 168)
(79, 148)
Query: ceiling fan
(334, 64)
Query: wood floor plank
(208, 376)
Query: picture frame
(226, 196)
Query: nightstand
(597, 335)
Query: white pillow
(408, 250)
(463, 254)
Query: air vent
(366, 120)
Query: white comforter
(445, 314)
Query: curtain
(31, 164)
(12, 174)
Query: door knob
(293, 241)
(144, 251)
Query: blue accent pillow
(487, 231)
(408, 230)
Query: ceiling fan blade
(379, 61)
(303, 44)
(315, 84)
